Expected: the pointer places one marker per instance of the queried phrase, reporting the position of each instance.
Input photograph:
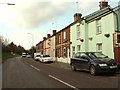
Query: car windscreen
(97, 55)
(37, 55)
(46, 56)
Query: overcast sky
(40, 17)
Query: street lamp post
(0, 55)
(8, 3)
(32, 42)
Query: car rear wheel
(73, 67)
(92, 70)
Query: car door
(84, 61)
(76, 60)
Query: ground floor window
(99, 46)
(58, 52)
(73, 50)
(65, 52)
(78, 48)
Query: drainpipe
(117, 27)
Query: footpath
(68, 67)
(60, 65)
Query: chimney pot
(54, 32)
(44, 38)
(48, 35)
(103, 4)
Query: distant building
(52, 45)
(39, 47)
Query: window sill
(99, 33)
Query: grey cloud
(43, 12)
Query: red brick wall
(64, 44)
(117, 54)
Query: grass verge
(6, 56)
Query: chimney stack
(103, 4)
(48, 35)
(77, 16)
(54, 32)
(44, 38)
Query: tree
(10, 47)
(20, 49)
(4, 44)
(32, 51)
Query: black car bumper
(106, 69)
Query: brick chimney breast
(77, 16)
(103, 4)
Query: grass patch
(6, 56)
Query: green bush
(5, 56)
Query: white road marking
(63, 82)
(35, 67)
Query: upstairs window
(98, 26)
(78, 31)
(64, 36)
(59, 39)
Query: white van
(23, 54)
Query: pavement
(60, 65)
(67, 66)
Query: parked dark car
(94, 62)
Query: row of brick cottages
(98, 31)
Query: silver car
(45, 58)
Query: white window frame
(59, 37)
(64, 52)
(78, 31)
(64, 36)
(99, 46)
(78, 48)
(73, 50)
(98, 26)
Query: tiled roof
(97, 14)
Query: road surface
(26, 73)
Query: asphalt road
(25, 73)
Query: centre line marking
(63, 82)
(35, 67)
